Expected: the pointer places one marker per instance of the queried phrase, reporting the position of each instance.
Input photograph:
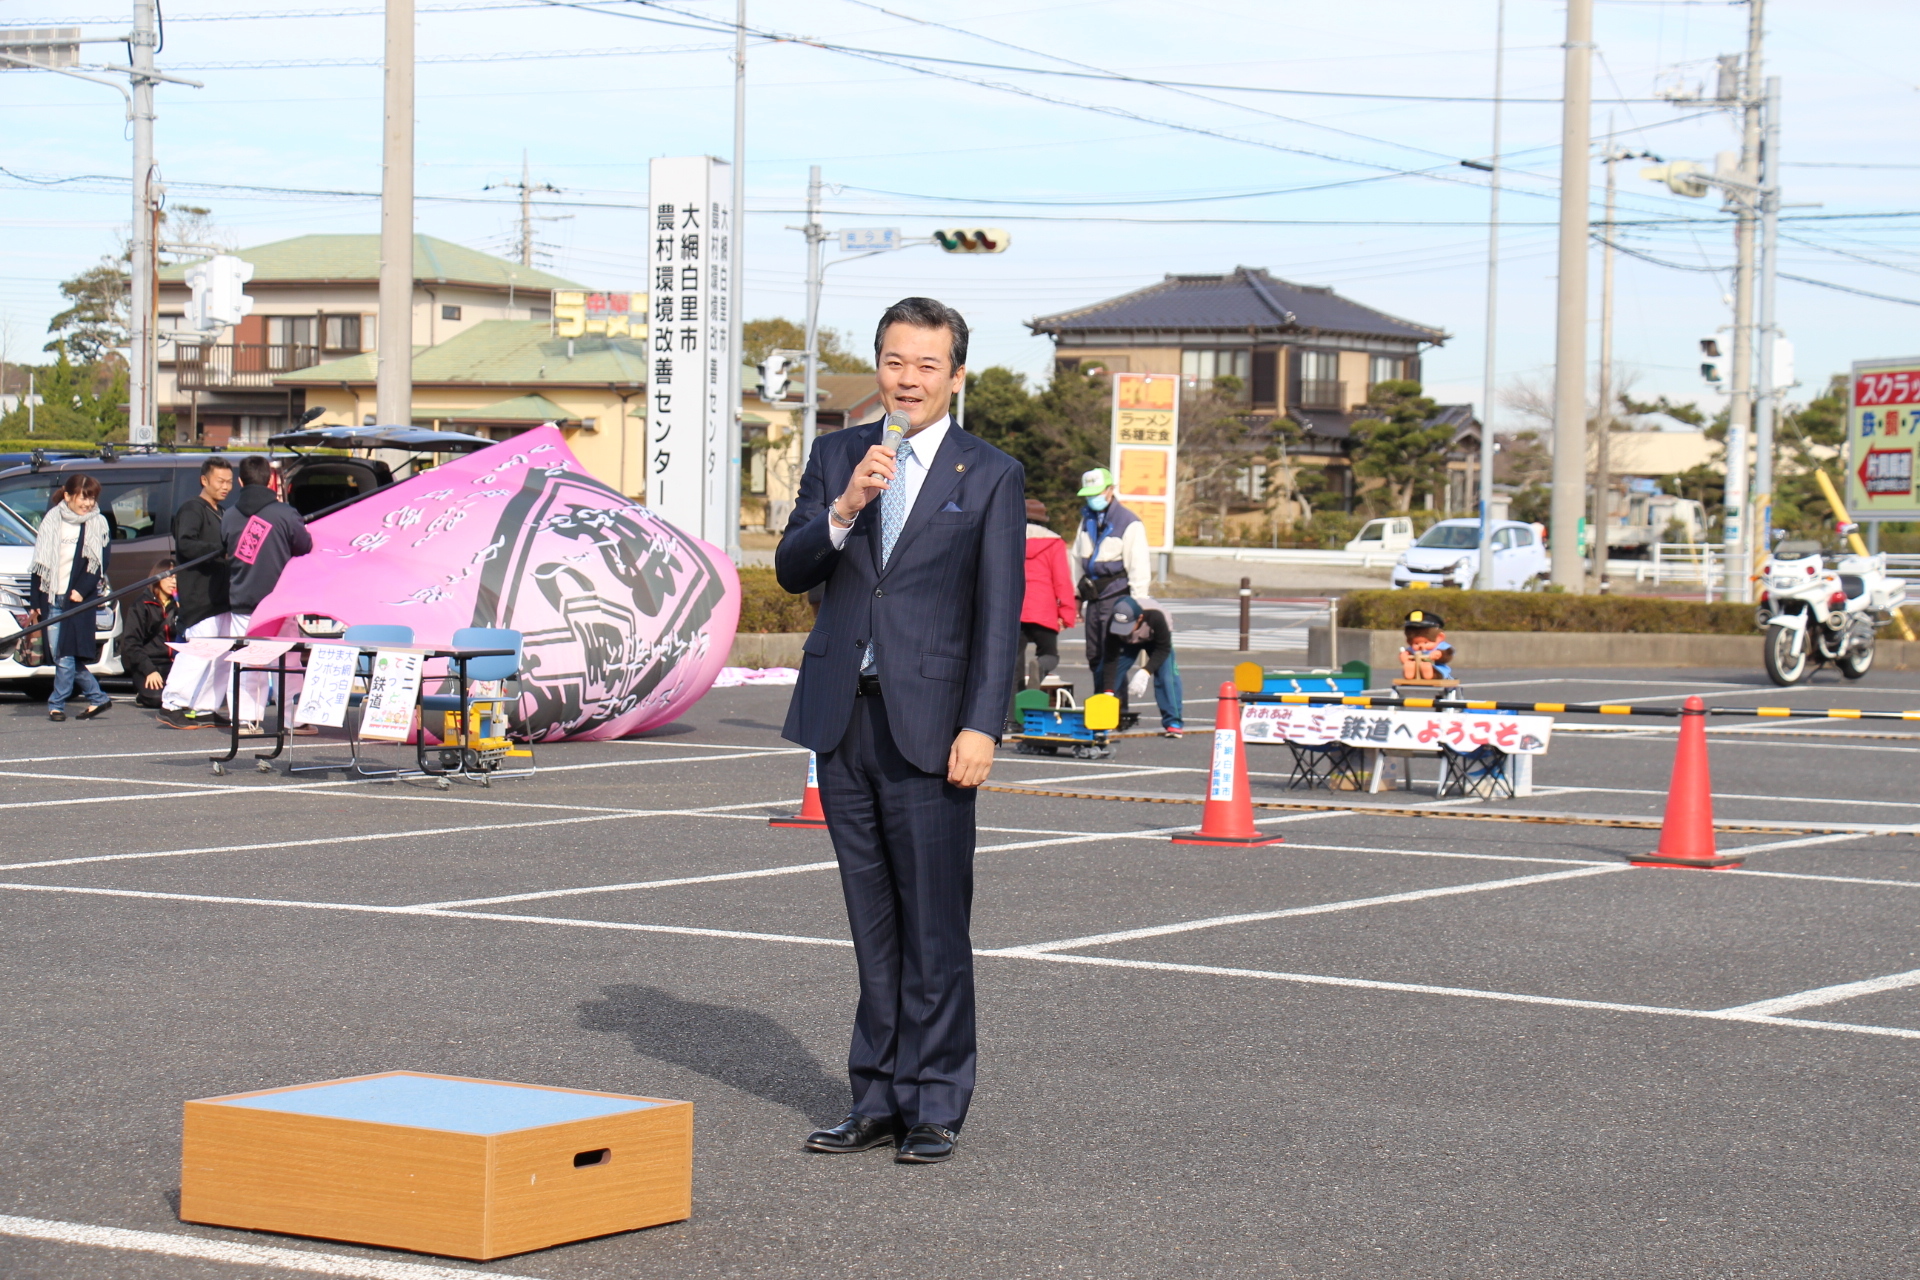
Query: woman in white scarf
(69, 569)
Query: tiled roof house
(1299, 350)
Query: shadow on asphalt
(739, 1048)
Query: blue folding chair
(471, 746)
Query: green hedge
(1546, 611)
(765, 606)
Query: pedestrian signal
(1710, 367)
(973, 240)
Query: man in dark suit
(902, 695)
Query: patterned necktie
(893, 514)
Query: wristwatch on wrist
(833, 514)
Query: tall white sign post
(688, 414)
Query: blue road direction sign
(869, 239)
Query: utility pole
(1602, 459)
(143, 369)
(393, 377)
(1570, 346)
(1767, 408)
(810, 414)
(736, 234)
(1740, 409)
(1483, 580)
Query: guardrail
(1293, 555)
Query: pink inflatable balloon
(627, 620)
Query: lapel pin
(959, 466)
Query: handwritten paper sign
(206, 649)
(323, 699)
(387, 714)
(259, 653)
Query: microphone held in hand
(896, 430)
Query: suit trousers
(905, 841)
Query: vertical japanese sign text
(1146, 450)
(691, 228)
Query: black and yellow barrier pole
(1567, 708)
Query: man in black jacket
(260, 534)
(197, 689)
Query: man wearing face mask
(1110, 563)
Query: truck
(1638, 519)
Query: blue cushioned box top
(426, 1102)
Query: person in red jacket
(1050, 606)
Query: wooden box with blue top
(437, 1164)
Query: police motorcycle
(1817, 608)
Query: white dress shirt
(926, 443)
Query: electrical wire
(516, 56)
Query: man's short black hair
(924, 313)
(255, 469)
(212, 464)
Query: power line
(514, 56)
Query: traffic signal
(1683, 177)
(773, 378)
(973, 240)
(1710, 367)
(217, 298)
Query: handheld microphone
(896, 429)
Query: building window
(1385, 369)
(1320, 381)
(290, 330)
(341, 333)
(1198, 369)
(449, 313)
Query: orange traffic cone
(1686, 836)
(811, 816)
(1228, 817)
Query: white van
(1390, 535)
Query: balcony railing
(219, 365)
(1323, 393)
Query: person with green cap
(1110, 563)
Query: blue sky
(1105, 174)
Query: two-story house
(316, 299)
(1301, 351)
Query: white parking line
(763, 873)
(247, 1255)
(1470, 993)
(1151, 833)
(425, 914)
(356, 788)
(711, 811)
(1829, 995)
(1084, 777)
(1744, 1014)
(1214, 922)
(1801, 843)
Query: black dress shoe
(926, 1144)
(855, 1133)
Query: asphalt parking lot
(1408, 1044)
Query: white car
(16, 579)
(1387, 534)
(1448, 555)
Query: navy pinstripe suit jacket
(944, 615)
